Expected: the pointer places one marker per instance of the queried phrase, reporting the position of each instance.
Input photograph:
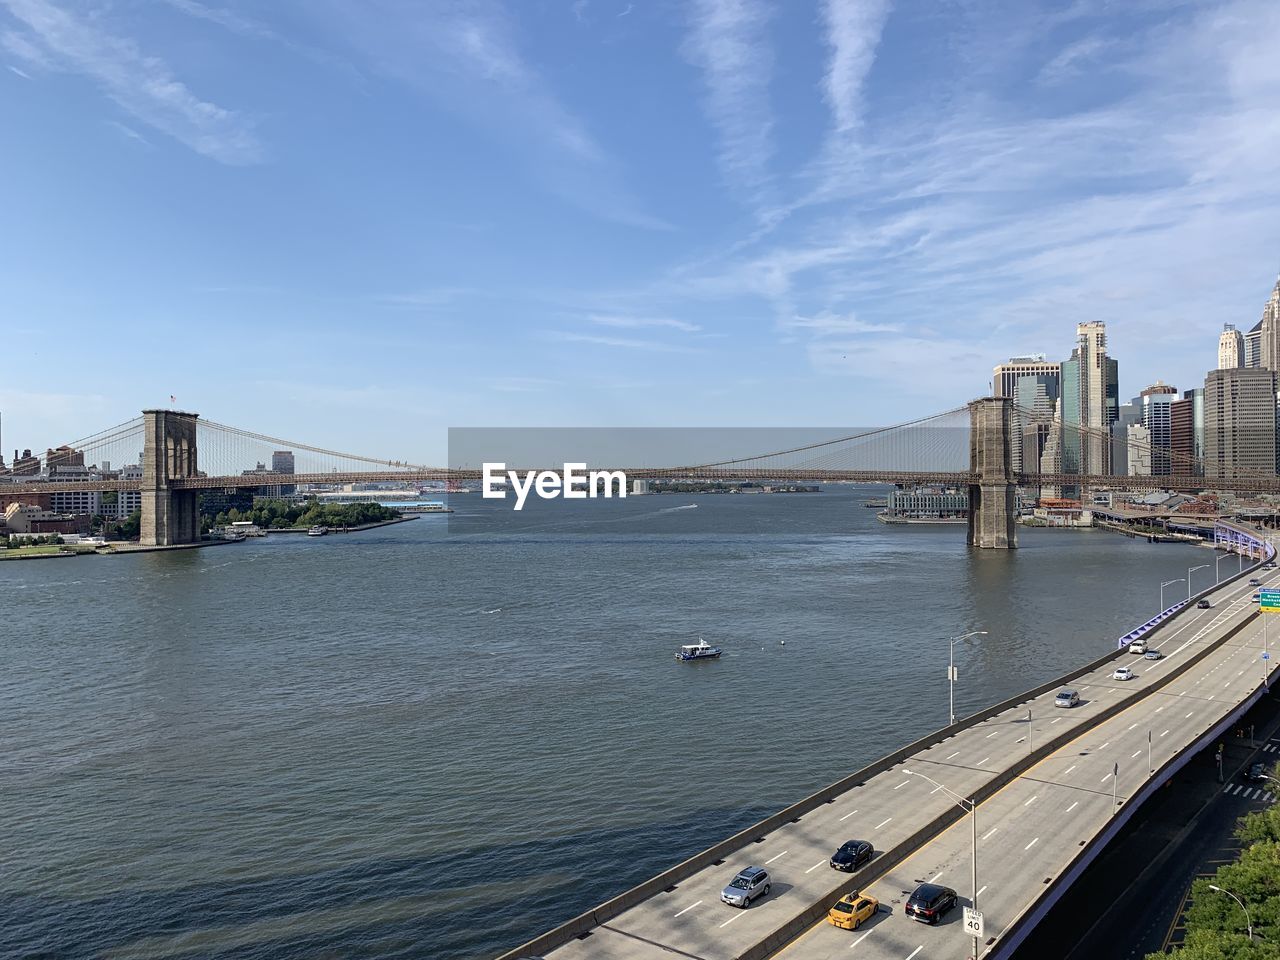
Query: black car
(1204, 604)
(1257, 772)
(852, 855)
(930, 903)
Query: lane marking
(1031, 844)
(816, 866)
(688, 908)
(860, 939)
(982, 761)
(1069, 769)
(990, 735)
(982, 889)
(1131, 726)
(882, 823)
(1032, 800)
(1105, 745)
(1073, 806)
(990, 833)
(1134, 756)
(848, 815)
(902, 784)
(1055, 719)
(777, 857)
(935, 876)
(1105, 779)
(956, 754)
(915, 951)
(1188, 716)
(1227, 788)
(1165, 733)
(733, 918)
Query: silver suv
(748, 885)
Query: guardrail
(585, 922)
(1014, 935)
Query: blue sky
(358, 222)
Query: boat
(698, 651)
(317, 531)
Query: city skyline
(766, 214)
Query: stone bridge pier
(169, 516)
(993, 499)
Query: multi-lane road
(1027, 832)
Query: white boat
(317, 531)
(698, 651)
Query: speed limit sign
(972, 922)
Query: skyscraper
(1230, 348)
(1034, 405)
(1271, 331)
(1253, 346)
(1004, 376)
(1090, 402)
(1156, 401)
(1186, 433)
(1240, 423)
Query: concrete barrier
(584, 922)
(1014, 935)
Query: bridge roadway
(1028, 831)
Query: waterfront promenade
(1032, 822)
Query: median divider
(585, 922)
(792, 928)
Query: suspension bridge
(971, 446)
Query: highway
(1027, 831)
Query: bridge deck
(1031, 828)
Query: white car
(1066, 698)
(1122, 673)
(1138, 646)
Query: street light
(1217, 577)
(1190, 571)
(951, 668)
(1247, 920)
(970, 805)
(1167, 583)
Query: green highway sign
(1269, 601)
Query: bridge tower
(993, 499)
(169, 516)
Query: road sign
(1269, 601)
(973, 922)
(1265, 655)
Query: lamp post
(1248, 921)
(1217, 577)
(1190, 571)
(970, 805)
(1167, 583)
(951, 667)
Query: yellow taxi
(853, 910)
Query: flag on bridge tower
(172, 399)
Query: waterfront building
(1138, 455)
(282, 461)
(1230, 348)
(1240, 423)
(1004, 376)
(927, 504)
(1186, 433)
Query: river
(400, 743)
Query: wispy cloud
(834, 325)
(611, 320)
(224, 18)
(127, 131)
(853, 33)
(141, 84)
(729, 43)
(469, 59)
(22, 73)
(624, 343)
(1073, 58)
